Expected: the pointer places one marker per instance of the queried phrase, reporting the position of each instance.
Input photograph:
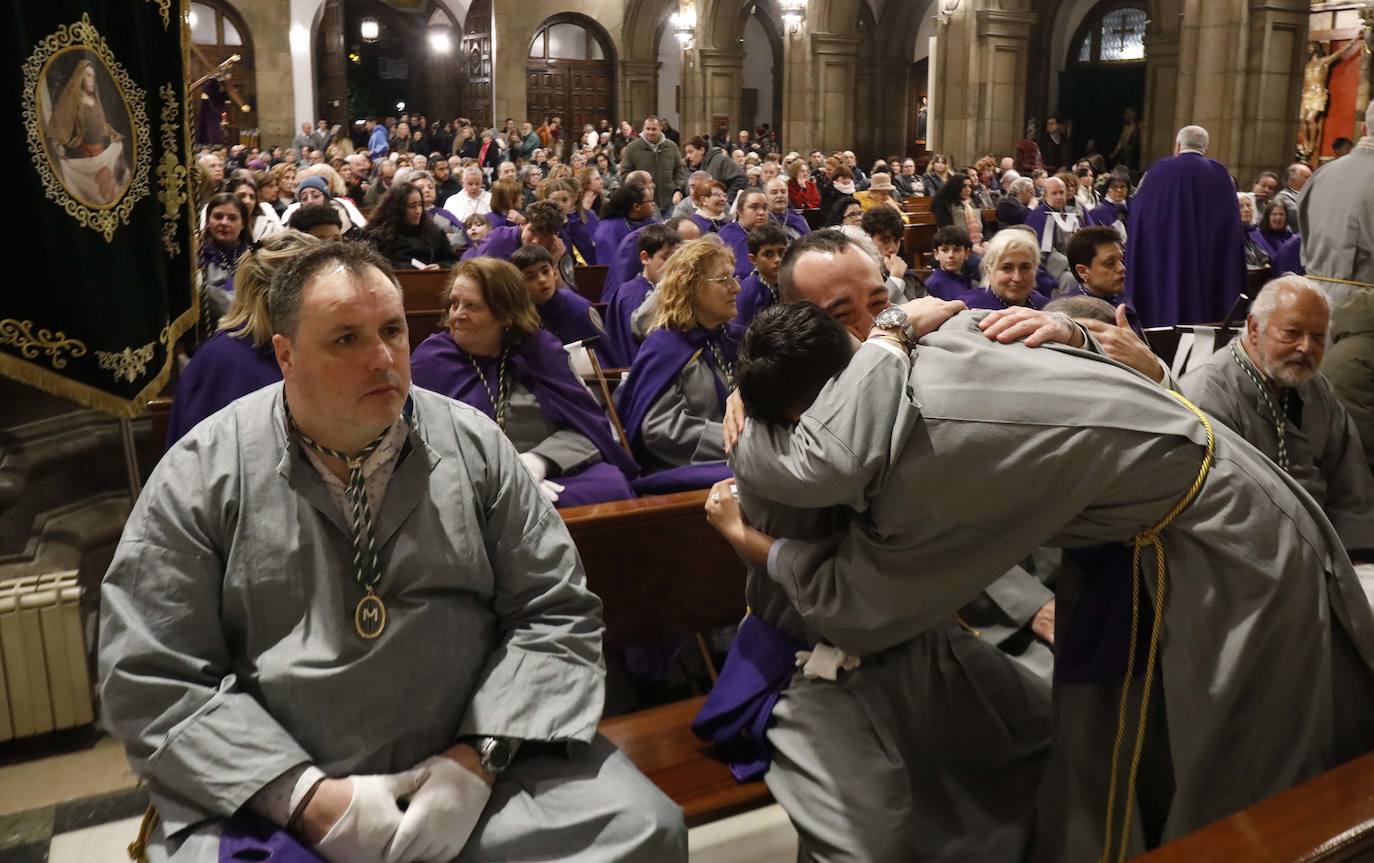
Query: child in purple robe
(625, 264)
(767, 244)
(1009, 267)
(949, 280)
(579, 231)
(477, 226)
(656, 244)
(495, 357)
(568, 315)
(628, 208)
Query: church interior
(594, 143)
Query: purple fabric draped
(540, 364)
(1045, 284)
(1288, 258)
(708, 226)
(983, 298)
(500, 243)
(1098, 637)
(623, 305)
(568, 315)
(581, 235)
(660, 360)
(737, 239)
(1106, 214)
(498, 220)
(687, 477)
(738, 711)
(247, 838)
(1185, 262)
(754, 296)
(208, 112)
(948, 286)
(1272, 241)
(791, 219)
(618, 253)
(223, 369)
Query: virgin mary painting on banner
(83, 115)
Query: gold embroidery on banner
(164, 8)
(171, 174)
(100, 198)
(20, 334)
(129, 364)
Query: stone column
(980, 84)
(819, 85)
(273, 28)
(638, 89)
(1158, 122)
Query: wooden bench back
(916, 240)
(660, 569)
(424, 293)
(588, 281)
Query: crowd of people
(1026, 446)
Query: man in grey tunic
(961, 463)
(1267, 386)
(1336, 220)
(343, 592)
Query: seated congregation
(1013, 585)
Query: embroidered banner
(104, 216)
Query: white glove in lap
(550, 490)
(536, 465)
(441, 815)
(364, 832)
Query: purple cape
(708, 226)
(660, 360)
(754, 296)
(622, 263)
(738, 711)
(568, 315)
(246, 837)
(581, 235)
(1272, 241)
(1185, 262)
(223, 369)
(984, 298)
(737, 239)
(1106, 214)
(621, 339)
(540, 364)
(947, 286)
(791, 219)
(1288, 258)
(497, 220)
(500, 243)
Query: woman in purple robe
(1009, 274)
(238, 359)
(709, 199)
(1256, 250)
(1273, 228)
(629, 207)
(751, 211)
(672, 403)
(495, 357)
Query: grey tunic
(1336, 220)
(1324, 451)
(980, 453)
(684, 425)
(228, 653)
(532, 431)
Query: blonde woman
(1010, 266)
(238, 359)
(673, 400)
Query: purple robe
(222, 370)
(1185, 262)
(1272, 241)
(1288, 258)
(737, 239)
(570, 317)
(497, 220)
(660, 360)
(1106, 214)
(791, 219)
(580, 235)
(249, 838)
(754, 296)
(1037, 218)
(540, 364)
(948, 286)
(709, 226)
(500, 243)
(619, 334)
(624, 264)
(984, 298)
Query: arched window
(1116, 34)
(566, 40)
(217, 31)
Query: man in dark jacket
(701, 156)
(660, 157)
(1055, 148)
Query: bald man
(1267, 386)
(1295, 178)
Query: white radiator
(45, 685)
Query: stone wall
(269, 24)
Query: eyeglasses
(730, 278)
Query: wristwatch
(495, 753)
(894, 320)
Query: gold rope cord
(138, 849)
(1341, 281)
(1149, 537)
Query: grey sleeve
(1019, 595)
(677, 435)
(167, 687)
(546, 678)
(568, 451)
(640, 317)
(1350, 485)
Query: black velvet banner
(101, 243)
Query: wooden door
(477, 53)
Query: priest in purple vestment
(239, 359)
(1185, 262)
(495, 357)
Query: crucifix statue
(1315, 96)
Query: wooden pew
(1328, 818)
(917, 204)
(424, 295)
(663, 572)
(589, 279)
(916, 240)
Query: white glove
(363, 833)
(537, 467)
(825, 662)
(550, 490)
(441, 814)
